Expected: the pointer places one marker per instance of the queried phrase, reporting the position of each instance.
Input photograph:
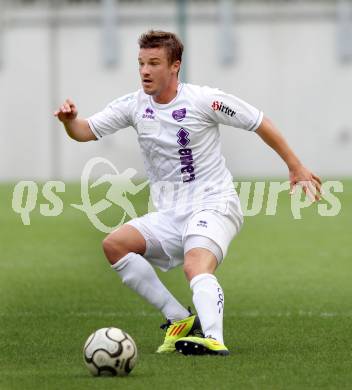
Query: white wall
(286, 66)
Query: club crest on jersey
(220, 106)
(179, 115)
(148, 114)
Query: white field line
(243, 314)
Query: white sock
(139, 275)
(208, 299)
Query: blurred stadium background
(287, 281)
(292, 59)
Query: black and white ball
(110, 352)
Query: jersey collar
(167, 105)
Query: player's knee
(190, 265)
(114, 249)
(188, 270)
(191, 271)
(199, 261)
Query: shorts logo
(202, 223)
(179, 115)
(219, 106)
(183, 139)
(149, 114)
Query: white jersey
(180, 141)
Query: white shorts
(165, 231)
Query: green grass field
(288, 304)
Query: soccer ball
(110, 352)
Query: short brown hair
(168, 40)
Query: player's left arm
(298, 173)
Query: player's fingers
(74, 109)
(71, 104)
(292, 187)
(317, 196)
(317, 178)
(305, 187)
(317, 185)
(310, 191)
(314, 190)
(67, 107)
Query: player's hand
(67, 111)
(310, 182)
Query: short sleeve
(227, 109)
(116, 116)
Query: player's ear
(176, 66)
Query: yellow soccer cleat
(200, 346)
(179, 329)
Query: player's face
(155, 71)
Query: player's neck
(167, 95)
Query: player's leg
(202, 256)
(206, 239)
(122, 241)
(124, 248)
(208, 297)
(127, 245)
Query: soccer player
(198, 210)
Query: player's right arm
(76, 128)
